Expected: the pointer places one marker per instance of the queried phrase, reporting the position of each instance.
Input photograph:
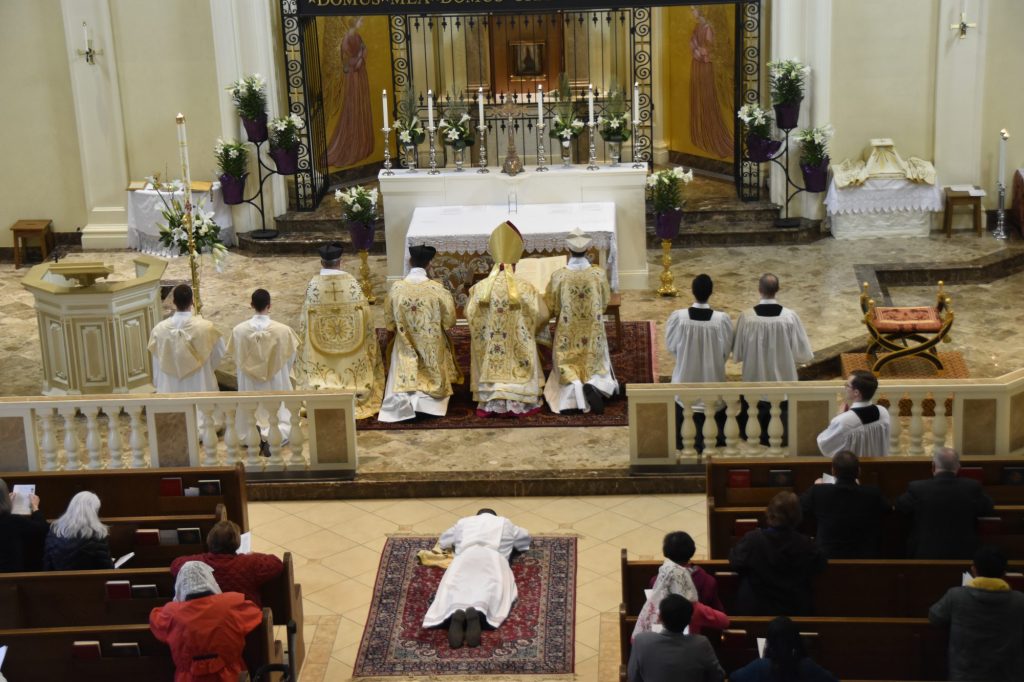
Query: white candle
(540, 104)
(85, 34)
(430, 109)
(186, 171)
(480, 105)
(384, 108)
(590, 102)
(636, 102)
(1003, 137)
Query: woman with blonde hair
(77, 540)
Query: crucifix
(963, 25)
(513, 165)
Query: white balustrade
(939, 426)
(115, 445)
(916, 429)
(72, 446)
(92, 437)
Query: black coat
(775, 566)
(76, 554)
(944, 513)
(849, 517)
(15, 532)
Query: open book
(22, 502)
(538, 271)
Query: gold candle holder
(667, 287)
(364, 276)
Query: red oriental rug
(634, 363)
(537, 638)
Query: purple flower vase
(233, 188)
(256, 128)
(362, 235)
(787, 115)
(816, 177)
(286, 160)
(666, 223)
(762, 149)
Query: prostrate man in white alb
(185, 348)
(581, 368)
(700, 339)
(863, 427)
(419, 311)
(478, 585)
(770, 342)
(264, 352)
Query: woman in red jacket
(204, 627)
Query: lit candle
(1004, 135)
(540, 104)
(590, 102)
(636, 102)
(384, 107)
(480, 105)
(85, 34)
(430, 109)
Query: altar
(883, 207)
(609, 202)
(144, 217)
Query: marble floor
(336, 547)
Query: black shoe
(473, 627)
(264, 448)
(593, 398)
(457, 629)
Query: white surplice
(243, 338)
(479, 575)
(847, 432)
(202, 379)
(699, 346)
(770, 348)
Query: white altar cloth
(545, 227)
(883, 207)
(144, 219)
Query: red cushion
(907, 320)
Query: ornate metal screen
(748, 91)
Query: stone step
(304, 243)
(754, 235)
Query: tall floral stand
(362, 240)
(666, 226)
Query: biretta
(422, 252)
(330, 252)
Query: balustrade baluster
(93, 443)
(295, 436)
(688, 431)
(698, 431)
(939, 425)
(253, 461)
(275, 462)
(48, 443)
(775, 429)
(732, 427)
(72, 445)
(231, 435)
(209, 435)
(895, 425)
(753, 430)
(916, 429)
(136, 440)
(115, 444)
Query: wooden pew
(46, 653)
(122, 536)
(79, 599)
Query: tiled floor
(336, 547)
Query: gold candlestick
(364, 276)
(667, 288)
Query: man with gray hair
(944, 511)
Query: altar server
(505, 313)
(264, 352)
(418, 312)
(770, 342)
(337, 342)
(700, 339)
(185, 348)
(581, 368)
(862, 427)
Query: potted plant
(786, 79)
(233, 161)
(284, 143)
(250, 97)
(205, 232)
(408, 129)
(814, 156)
(456, 130)
(360, 214)
(665, 190)
(565, 127)
(613, 124)
(758, 122)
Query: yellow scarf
(990, 584)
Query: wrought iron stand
(262, 233)
(797, 189)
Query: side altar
(623, 186)
(94, 335)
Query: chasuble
(186, 350)
(338, 346)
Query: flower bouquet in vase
(613, 124)
(565, 127)
(786, 79)
(665, 190)
(284, 143)
(758, 122)
(814, 156)
(408, 129)
(205, 232)
(250, 97)
(360, 213)
(233, 162)
(456, 130)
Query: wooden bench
(46, 653)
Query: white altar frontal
(623, 187)
(144, 217)
(883, 207)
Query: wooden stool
(27, 229)
(954, 199)
(614, 304)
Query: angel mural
(707, 128)
(353, 136)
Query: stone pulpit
(94, 333)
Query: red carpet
(538, 638)
(634, 362)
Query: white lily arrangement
(360, 203)
(565, 128)
(284, 131)
(205, 231)
(665, 189)
(786, 79)
(814, 144)
(757, 120)
(458, 134)
(250, 96)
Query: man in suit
(848, 514)
(671, 656)
(944, 511)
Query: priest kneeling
(478, 585)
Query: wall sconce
(89, 53)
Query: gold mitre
(505, 244)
